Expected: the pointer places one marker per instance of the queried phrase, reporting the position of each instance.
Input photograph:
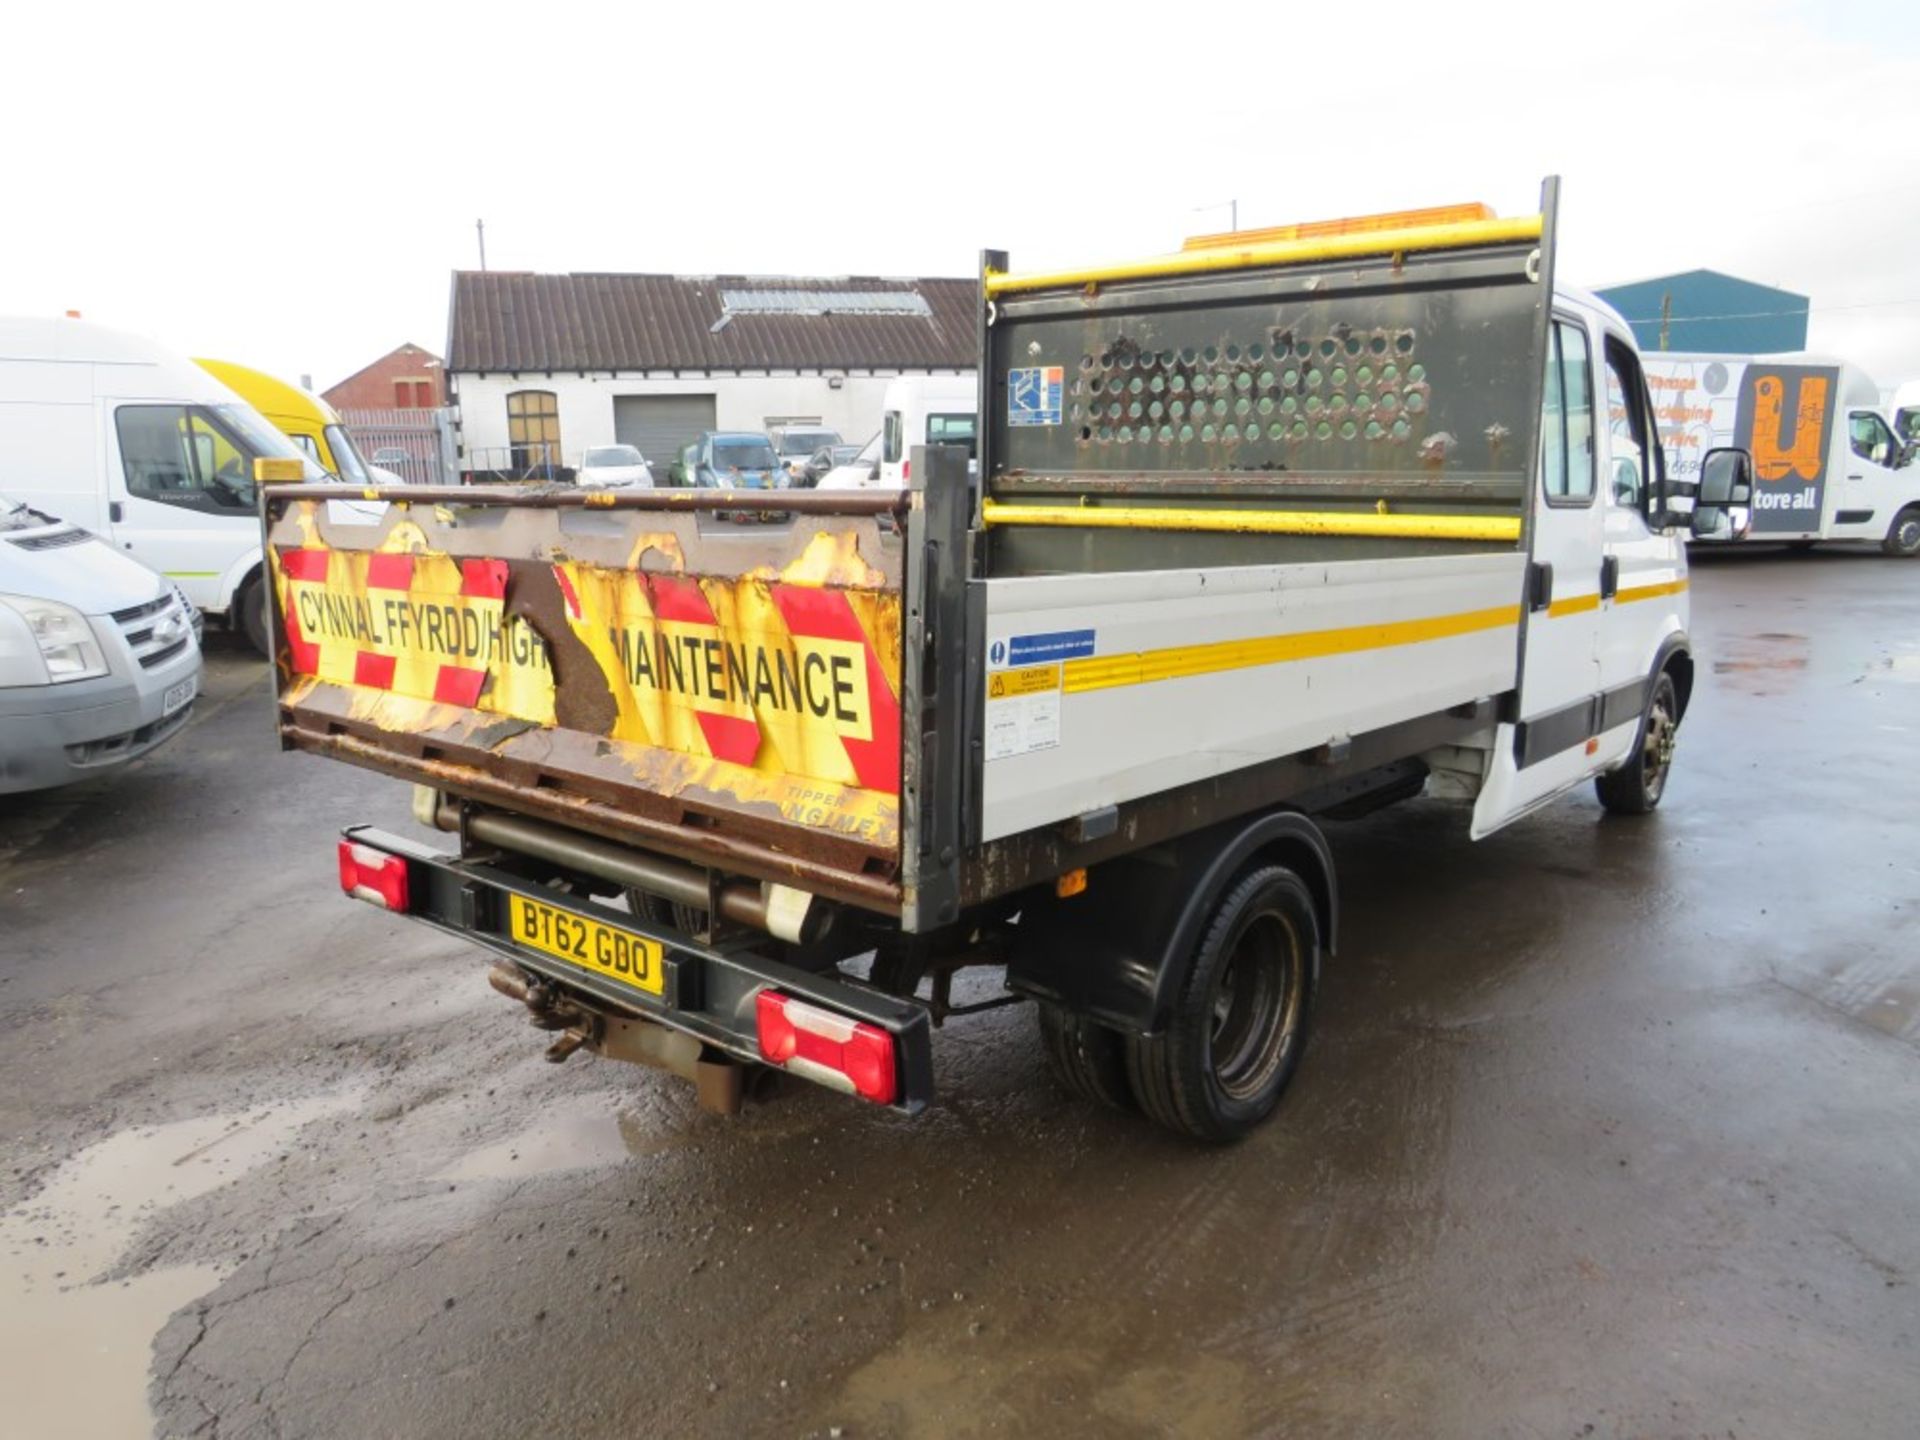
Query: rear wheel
(250, 606)
(1239, 1020)
(1903, 537)
(1085, 1057)
(1636, 787)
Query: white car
(614, 466)
(99, 656)
(861, 473)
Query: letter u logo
(1780, 449)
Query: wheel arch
(1675, 657)
(1113, 953)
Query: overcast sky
(290, 187)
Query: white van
(924, 410)
(141, 446)
(1825, 464)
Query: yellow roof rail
(1454, 235)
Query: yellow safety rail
(1256, 522)
(1279, 252)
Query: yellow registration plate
(618, 954)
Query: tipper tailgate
(718, 684)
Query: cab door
(1872, 492)
(1642, 569)
(1541, 752)
(181, 495)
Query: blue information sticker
(1033, 394)
(1059, 645)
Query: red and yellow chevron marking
(425, 626)
(779, 675)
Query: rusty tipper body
(1266, 531)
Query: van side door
(1541, 751)
(1642, 569)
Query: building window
(413, 394)
(533, 430)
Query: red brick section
(373, 388)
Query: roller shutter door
(660, 424)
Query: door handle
(1609, 577)
(116, 512)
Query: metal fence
(529, 460)
(416, 445)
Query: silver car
(99, 657)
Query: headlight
(66, 641)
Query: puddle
(1769, 663)
(1897, 667)
(567, 1140)
(77, 1349)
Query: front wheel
(1239, 1020)
(1636, 787)
(1903, 537)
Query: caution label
(1023, 710)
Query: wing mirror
(1723, 505)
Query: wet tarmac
(1608, 1128)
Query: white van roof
(127, 366)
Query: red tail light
(906, 471)
(846, 1054)
(374, 876)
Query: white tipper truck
(1289, 527)
(1809, 431)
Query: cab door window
(1871, 438)
(179, 455)
(893, 445)
(1627, 432)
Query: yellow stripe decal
(1574, 605)
(1180, 662)
(1279, 252)
(1649, 592)
(1256, 522)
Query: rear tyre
(1636, 787)
(250, 603)
(1903, 537)
(1085, 1057)
(1239, 1020)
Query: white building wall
(741, 402)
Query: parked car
(730, 460)
(797, 444)
(862, 472)
(825, 459)
(614, 466)
(99, 657)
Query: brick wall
(404, 379)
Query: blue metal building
(1703, 310)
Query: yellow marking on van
(1573, 605)
(1649, 592)
(1278, 252)
(1181, 662)
(1256, 522)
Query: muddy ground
(1608, 1128)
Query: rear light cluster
(374, 876)
(833, 1050)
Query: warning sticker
(1033, 395)
(1023, 711)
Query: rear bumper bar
(708, 993)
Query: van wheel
(1903, 539)
(250, 603)
(1085, 1057)
(1636, 787)
(1239, 1020)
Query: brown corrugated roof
(506, 321)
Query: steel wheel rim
(1254, 1005)
(1908, 535)
(1657, 748)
